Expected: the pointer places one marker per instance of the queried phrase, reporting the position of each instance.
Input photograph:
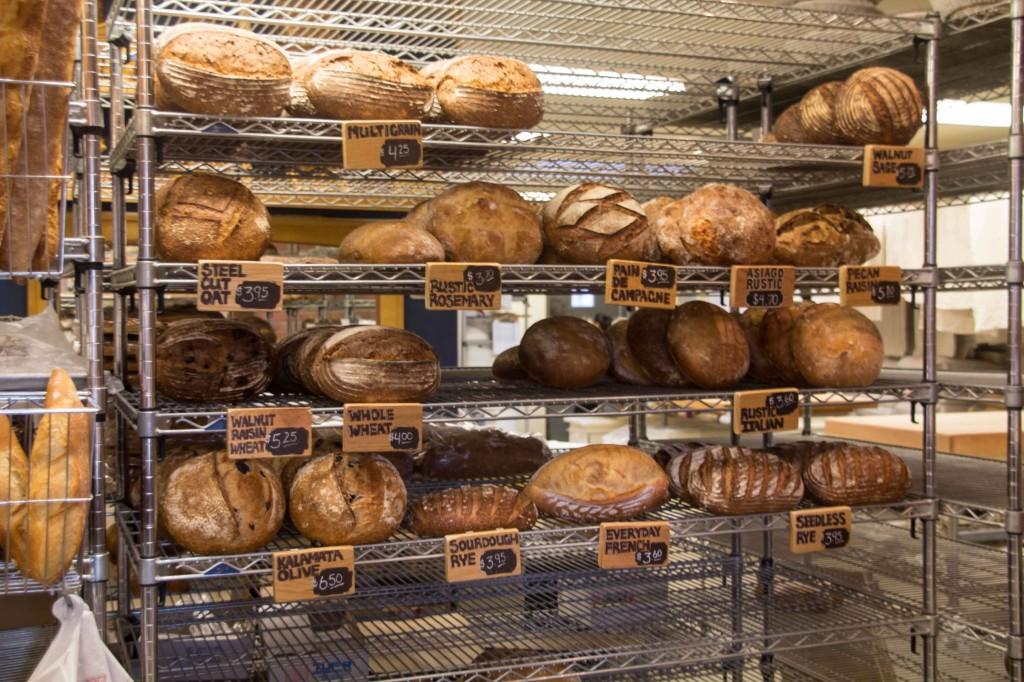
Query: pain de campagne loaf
(565, 352)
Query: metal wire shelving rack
(687, 46)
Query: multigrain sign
(376, 145)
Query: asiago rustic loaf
(389, 242)
(838, 346)
(851, 474)
(708, 345)
(589, 223)
(736, 480)
(598, 483)
(471, 508)
(565, 352)
(347, 499)
(492, 92)
(625, 366)
(878, 105)
(221, 71)
(211, 504)
(353, 84)
(452, 453)
(205, 216)
(647, 336)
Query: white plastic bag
(77, 654)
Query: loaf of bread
(480, 222)
(13, 485)
(373, 364)
(221, 71)
(210, 360)
(471, 508)
(862, 245)
(589, 223)
(625, 367)
(598, 483)
(653, 208)
(392, 241)
(353, 84)
(347, 499)
(565, 352)
(685, 459)
(735, 480)
(303, 358)
(708, 345)
(211, 504)
(824, 236)
(776, 332)
(878, 105)
(647, 336)
(204, 216)
(799, 453)
(761, 369)
(285, 369)
(46, 536)
(837, 346)
(666, 452)
(716, 225)
(817, 114)
(452, 453)
(492, 92)
(299, 104)
(507, 367)
(788, 126)
(851, 474)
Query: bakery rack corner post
(1014, 281)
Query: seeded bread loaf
(471, 508)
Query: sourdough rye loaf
(471, 508)
(452, 452)
(507, 367)
(389, 242)
(598, 483)
(588, 224)
(221, 71)
(647, 336)
(492, 92)
(565, 352)
(851, 474)
(708, 345)
(347, 499)
(625, 366)
(776, 332)
(837, 346)
(740, 481)
(353, 84)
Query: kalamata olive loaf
(736, 480)
(708, 345)
(752, 322)
(817, 114)
(507, 367)
(625, 367)
(211, 504)
(588, 224)
(347, 499)
(471, 508)
(451, 452)
(852, 474)
(389, 242)
(211, 360)
(836, 346)
(776, 331)
(598, 483)
(878, 105)
(716, 225)
(353, 84)
(492, 92)
(565, 352)
(373, 364)
(221, 71)
(647, 336)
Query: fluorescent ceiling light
(562, 80)
(957, 112)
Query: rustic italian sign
(376, 145)
(633, 544)
(381, 427)
(773, 409)
(814, 530)
(892, 166)
(261, 432)
(227, 285)
(761, 286)
(644, 285)
(463, 286)
(870, 284)
(314, 573)
(482, 555)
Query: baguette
(13, 484)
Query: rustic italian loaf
(565, 352)
(354, 84)
(589, 223)
(391, 241)
(735, 480)
(221, 71)
(492, 92)
(471, 508)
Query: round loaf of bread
(805, 238)
(708, 345)
(761, 369)
(209, 217)
(861, 244)
(817, 114)
(221, 71)
(878, 105)
(372, 364)
(347, 499)
(716, 225)
(353, 84)
(211, 504)
(565, 352)
(507, 367)
(647, 336)
(589, 223)
(389, 242)
(471, 508)
(776, 331)
(625, 367)
(481, 222)
(788, 128)
(209, 360)
(598, 483)
(492, 92)
(299, 104)
(653, 208)
(851, 474)
(837, 346)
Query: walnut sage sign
(377, 145)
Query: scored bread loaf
(708, 345)
(686, 458)
(353, 84)
(471, 508)
(206, 216)
(13, 485)
(220, 71)
(625, 366)
(492, 92)
(824, 236)
(667, 451)
(298, 98)
(370, 364)
(834, 345)
(752, 322)
(287, 377)
(451, 452)
(817, 114)
(598, 483)
(776, 332)
(647, 336)
(852, 474)
(507, 367)
(862, 245)
(565, 352)
(878, 105)
(589, 223)
(211, 504)
(304, 356)
(788, 126)
(736, 480)
(46, 542)
(347, 499)
(389, 242)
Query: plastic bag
(77, 654)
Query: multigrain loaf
(471, 508)
(492, 92)
(354, 84)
